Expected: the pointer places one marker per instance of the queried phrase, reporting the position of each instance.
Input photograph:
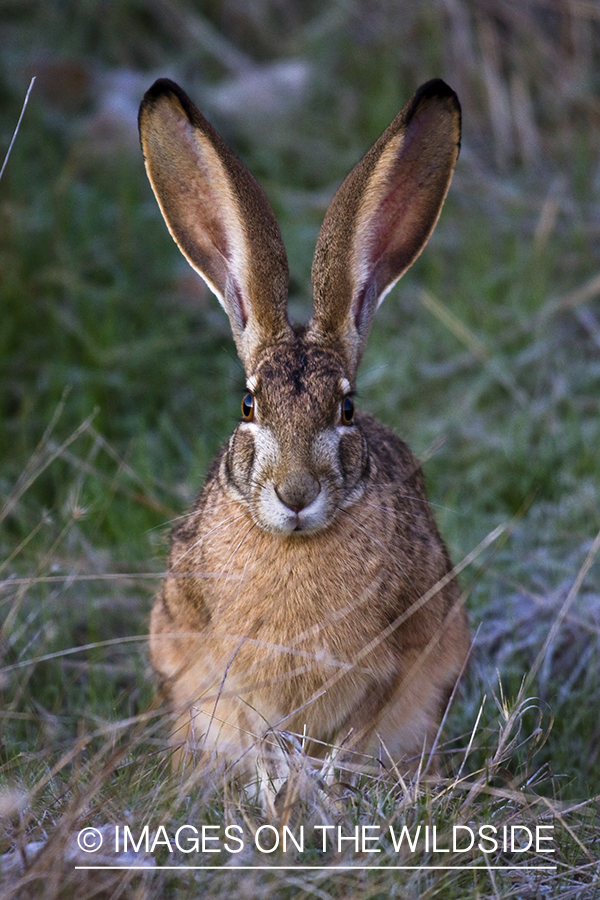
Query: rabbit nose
(298, 491)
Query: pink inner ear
(236, 300)
(398, 234)
(198, 219)
(394, 240)
(206, 221)
(205, 214)
(414, 189)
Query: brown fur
(308, 591)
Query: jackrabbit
(308, 590)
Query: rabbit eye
(248, 407)
(347, 410)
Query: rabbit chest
(286, 621)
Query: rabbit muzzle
(298, 491)
(302, 494)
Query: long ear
(218, 215)
(381, 218)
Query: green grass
(118, 381)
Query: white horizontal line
(338, 868)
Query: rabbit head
(297, 456)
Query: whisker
(224, 524)
(423, 501)
(223, 574)
(393, 557)
(168, 522)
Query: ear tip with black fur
(436, 88)
(165, 89)
(161, 86)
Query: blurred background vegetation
(118, 376)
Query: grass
(119, 381)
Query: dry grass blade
(474, 344)
(39, 462)
(18, 125)
(588, 291)
(546, 648)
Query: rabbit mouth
(286, 514)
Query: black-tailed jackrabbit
(308, 590)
